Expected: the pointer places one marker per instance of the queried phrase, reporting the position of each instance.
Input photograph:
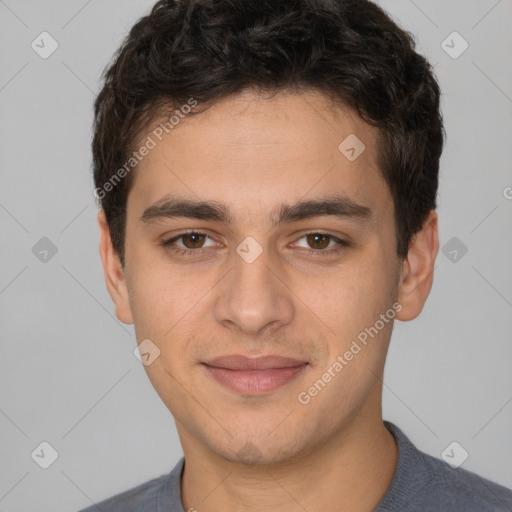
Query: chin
(260, 448)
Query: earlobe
(418, 270)
(114, 273)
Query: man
(267, 173)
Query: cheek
(169, 304)
(355, 296)
(159, 291)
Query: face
(293, 256)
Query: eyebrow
(335, 205)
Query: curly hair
(350, 50)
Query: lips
(254, 376)
(238, 362)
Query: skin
(253, 153)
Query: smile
(254, 377)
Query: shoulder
(428, 484)
(145, 497)
(137, 499)
(449, 487)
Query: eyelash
(341, 244)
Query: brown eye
(321, 244)
(188, 243)
(196, 240)
(318, 240)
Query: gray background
(68, 375)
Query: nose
(254, 296)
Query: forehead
(253, 152)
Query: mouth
(254, 376)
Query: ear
(418, 270)
(114, 273)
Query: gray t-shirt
(421, 483)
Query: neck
(351, 471)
